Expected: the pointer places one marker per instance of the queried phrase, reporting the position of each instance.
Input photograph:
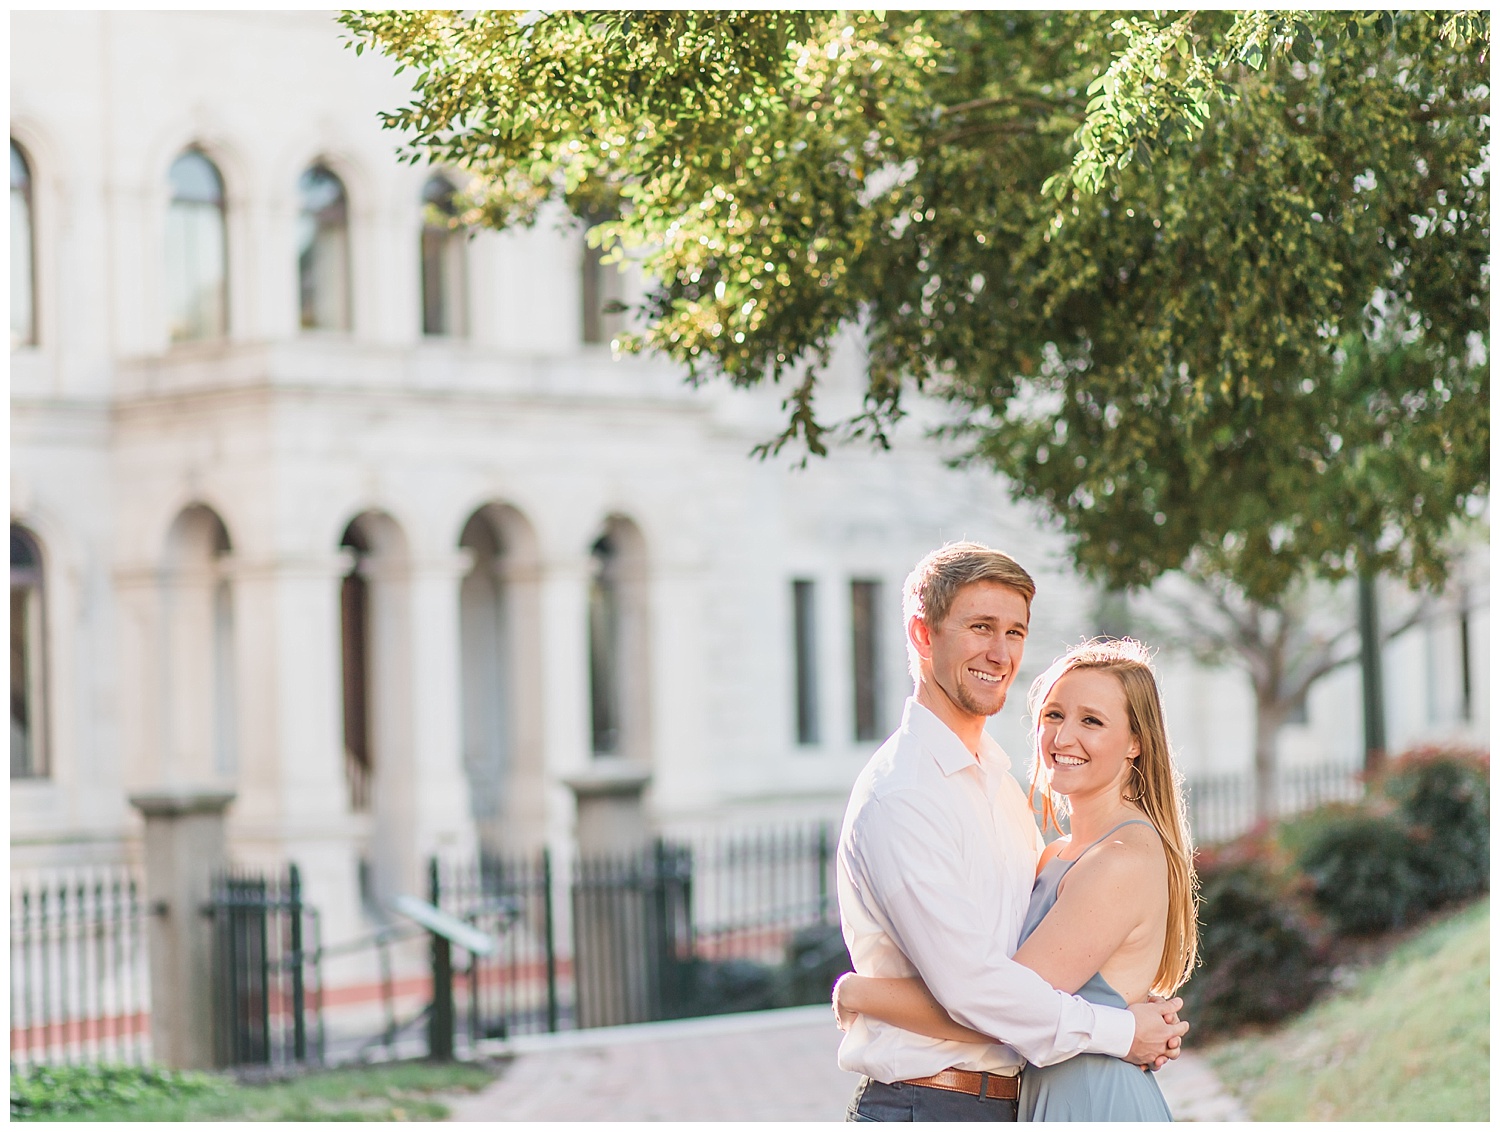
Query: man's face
(976, 649)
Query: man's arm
(911, 863)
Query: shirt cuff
(1114, 1031)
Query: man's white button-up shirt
(935, 866)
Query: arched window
(22, 252)
(619, 656)
(602, 297)
(604, 646)
(354, 622)
(323, 251)
(196, 258)
(443, 297)
(28, 745)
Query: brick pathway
(775, 1065)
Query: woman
(1113, 914)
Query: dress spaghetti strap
(1094, 845)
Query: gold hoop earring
(1135, 769)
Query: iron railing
(522, 988)
(753, 890)
(1222, 807)
(267, 971)
(685, 926)
(79, 975)
(633, 936)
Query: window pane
(194, 179)
(443, 290)
(196, 260)
(323, 251)
(354, 627)
(22, 260)
(23, 554)
(27, 731)
(604, 648)
(603, 286)
(21, 748)
(195, 271)
(864, 602)
(805, 641)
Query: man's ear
(920, 636)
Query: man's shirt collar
(946, 748)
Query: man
(935, 866)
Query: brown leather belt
(988, 1086)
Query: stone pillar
(439, 817)
(611, 814)
(185, 846)
(613, 924)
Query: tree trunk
(1269, 715)
(1372, 682)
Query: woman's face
(1084, 728)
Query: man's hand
(1158, 1033)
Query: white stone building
(363, 521)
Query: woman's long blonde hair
(1154, 785)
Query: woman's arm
(1100, 903)
(904, 1003)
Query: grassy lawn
(1409, 1040)
(410, 1090)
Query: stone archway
(499, 643)
(374, 647)
(196, 685)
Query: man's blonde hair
(934, 582)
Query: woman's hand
(841, 1013)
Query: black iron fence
(754, 890)
(79, 976)
(633, 936)
(267, 971)
(522, 988)
(1221, 808)
(684, 927)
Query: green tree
(1283, 647)
(1257, 339)
(1211, 288)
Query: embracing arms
(1097, 912)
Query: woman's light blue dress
(1089, 1086)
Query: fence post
(185, 847)
(440, 1022)
(823, 872)
(551, 940)
(611, 903)
(299, 991)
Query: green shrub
(1259, 960)
(76, 1089)
(726, 986)
(1368, 872)
(1443, 795)
(815, 958)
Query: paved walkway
(775, 1065)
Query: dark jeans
(874, 1100)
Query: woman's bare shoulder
(1133, 851)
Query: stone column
(293, 794)
(185, 846)
(611, 814)
(440, 816)
(614, 925)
